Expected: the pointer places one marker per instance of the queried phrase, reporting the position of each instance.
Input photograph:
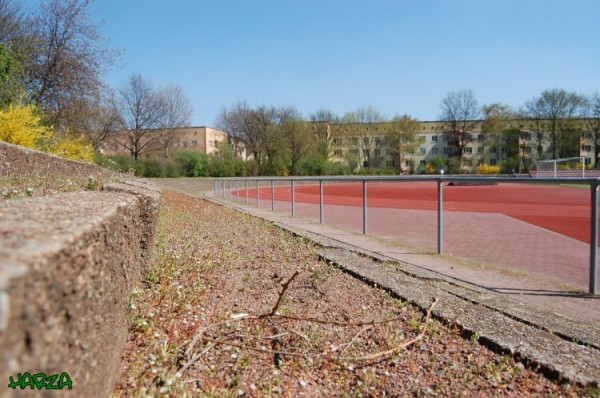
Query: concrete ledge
(69, 265)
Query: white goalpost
(561, 168)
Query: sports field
(537, 229)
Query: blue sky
(401, 57)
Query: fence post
(258, 193)
(272, 195)
(594, 240)
(229, 191)
(321, 201)
(293, 200)
(237, 191)
(246, 190)
(364, 207)
(440, 215)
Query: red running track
(557, 208)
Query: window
(411, 151)
(185, 144)
(377, 140)
(422, 162)
(480, 137)
(377, 152)
(493, 150)
(366, 140)
(434, 138)
(211, 144)
(479, 149)
(337, 141)
(492, 162)
(447, 151)
(194, 144)
(337, 152)
(586, 148)
(422, 139)
(390, 163)
(422, 151)
(445, 138)
(434, 151)
(468, 149)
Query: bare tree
(95, 118)
(402, 137)
(177, 113)
(70, 56)
(591, 116)
(251, 126)
(461, 110)
(141, 112)
(554, 111)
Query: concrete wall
(68, 264)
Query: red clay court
(560, 209)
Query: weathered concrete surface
(17, 161)
(68, 264)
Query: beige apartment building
(163, 143)
(366, 144)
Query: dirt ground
(234, 306)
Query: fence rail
(223, 188)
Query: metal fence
(232, 189)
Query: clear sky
(400, 56)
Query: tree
(177, 113)
(141, 112)
(69, 56)
(402, 137)
(324, 118)
(93, 118)
(299, 141)
(554, 112)
(591, 116)
(367, 139)
(15, 48)
(461, 110)
(496, 123)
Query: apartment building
(162, 143)
(519, 146)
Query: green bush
(192, 164)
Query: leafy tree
(368, 140)
(461, 110)
(591, 116)
(495, 125)
(402, 137)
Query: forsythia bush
(430, 169)
(73, 148)
(20, 125)
(488, 169)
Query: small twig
(194, 359)
(354, 338)
(281, 295)
(378, 355)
